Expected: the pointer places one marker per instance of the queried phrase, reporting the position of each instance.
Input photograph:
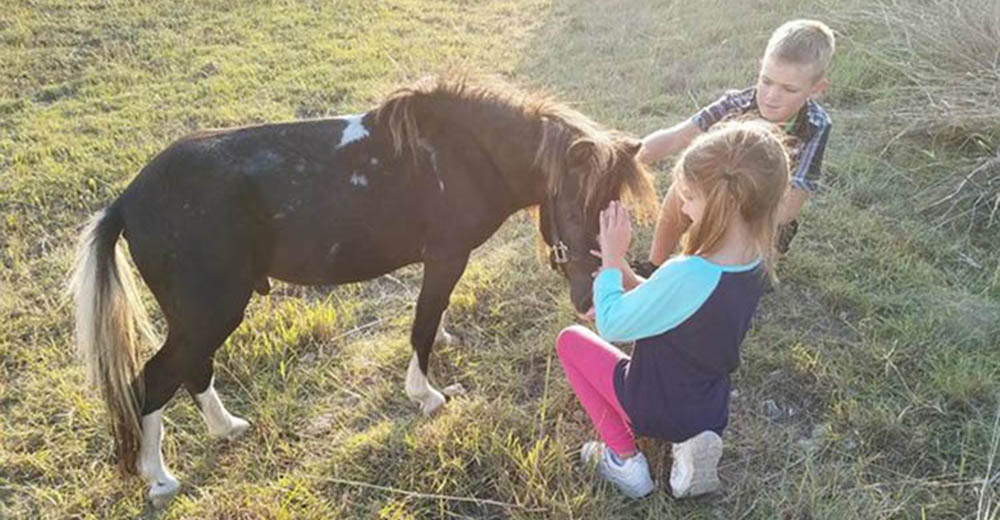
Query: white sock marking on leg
(220, 422)
(162, 484)
(419, 389)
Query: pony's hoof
(236, 428)
(240, 426)
(453, 390)
(431, 403)
(444, 338)
(162, 492)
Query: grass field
(879, 349)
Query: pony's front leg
(440, 276)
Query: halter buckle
(559, 253)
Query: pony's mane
(562, 129)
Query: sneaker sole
(639, 492)
(701, 455)
(590, 455)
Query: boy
(792, 72)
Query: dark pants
(786, 232)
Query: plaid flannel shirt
(810, 132)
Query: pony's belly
(338, 263)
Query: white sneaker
(695, 469)
(631, 477)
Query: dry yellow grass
(879, 348)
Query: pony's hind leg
(196, 332)
(220, 422)
(162, 484)
(443, 337)
(161, 377)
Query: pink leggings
(589, 362)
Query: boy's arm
(668, 141)
(791, 204)
(805, 178)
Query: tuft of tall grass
(947, 56)
(948, 52)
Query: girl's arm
(674, 292)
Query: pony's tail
(110, 323)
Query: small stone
(771, 410)
(321, 424)
(734, 394)
(808, 445)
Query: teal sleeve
(671, 295)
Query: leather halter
(559, 252)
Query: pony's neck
(508, 137)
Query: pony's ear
(632, 145)
(580, 152)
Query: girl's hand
(629, 279)
(615, 235)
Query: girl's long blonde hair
(739, 167)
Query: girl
(688, 319)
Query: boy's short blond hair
(803, 42)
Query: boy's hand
(615, 235)
(643, 155)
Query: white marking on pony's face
(333, 249)
(354, 131)
(358, 179)
(374, 161)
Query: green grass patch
(878, 350)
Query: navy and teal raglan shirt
(687, 320)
